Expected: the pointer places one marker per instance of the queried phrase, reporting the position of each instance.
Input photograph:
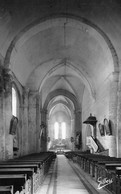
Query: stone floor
(65, 177)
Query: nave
(65, 176)
(50, 173)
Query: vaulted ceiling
(59, 52)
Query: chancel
(60, 96)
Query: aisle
(62, 179)
(67, 181)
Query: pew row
(18, 181)
(34, 167)
(100, 167)
(6, 189)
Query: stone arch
(69, 106)
(77, 110)
(62, 92)
(63, 15)
(87, 81)
(14, 84)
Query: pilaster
(114, 100)
(38, 122)
(78, 122)
(25, 142)
(115, 103)
(2, 130)
(118, 131)
(6, 140)
(7, 111)
(32, 122)
(44, 137)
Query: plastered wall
(102, 107)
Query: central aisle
(61, 179)
(67, 181)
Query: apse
(59, 127)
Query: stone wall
(104, 106)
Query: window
(63, 129)
(14, 102)
(56, 130)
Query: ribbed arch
(62, 92)
(80, 75)
(28, 29)
(68, 105)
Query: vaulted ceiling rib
(61, 53)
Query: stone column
(72, 132)
(44, 116)
(2, 129)
(113, 110)
(25, 143)
(49, 133)
(78, 122)
(6, 139)
(7, 111)
(48, 127)
(20, 129)
(118, 131)
(44, 137)
(38, 123)
(114, 101)
(32, 129)
(118, 135)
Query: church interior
(60, 94)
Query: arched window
(14, 102)
(56, 130)
(63, 129)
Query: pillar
(118, 131)
(7, 115)
(113, 111)
(32, 122)
(21, 128)
(78, 123)
(72, 132)
(44, 137)
(113, 101)
(49, 133)
(2, 129)
(25, 144)
(37, 122)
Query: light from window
(14, 102)
(63, 129)
(56, 129)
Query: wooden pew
(19, 181)
(105, 167)
(45, 159)
(108, 165)
(89, 162)
(98, 166)
(37, 177)
(6, 189)
(40, 163)
(110, 174)
(28, 171)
